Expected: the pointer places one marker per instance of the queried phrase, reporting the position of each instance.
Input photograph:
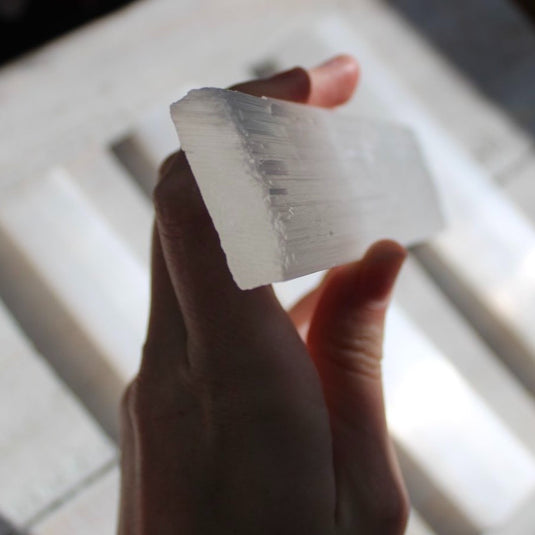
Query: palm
(235, 423)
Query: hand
(236, 423)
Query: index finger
(211, 303)
(330, 84)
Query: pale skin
(245, 418)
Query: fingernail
(342, 60)
(331, 62)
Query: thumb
(345, 340)
(346, 331)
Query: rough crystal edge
(258, 215)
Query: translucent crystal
(294, 189)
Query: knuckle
(170, 216)
(136, 399)
(391, 515)
(359, 354)
(128, 399)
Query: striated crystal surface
(294, 189)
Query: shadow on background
(492, 42)
(6, 528)
(26, 24)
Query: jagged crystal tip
(294, 189)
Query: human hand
(244, 418)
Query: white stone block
(294, 189)
(94, 509)
(487, 473)
(49, 444)
(76, 286)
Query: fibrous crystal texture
(293, 189)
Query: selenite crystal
(293, 189)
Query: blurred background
(84, 93)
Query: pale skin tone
(245, 418)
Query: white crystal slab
(293, 189)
